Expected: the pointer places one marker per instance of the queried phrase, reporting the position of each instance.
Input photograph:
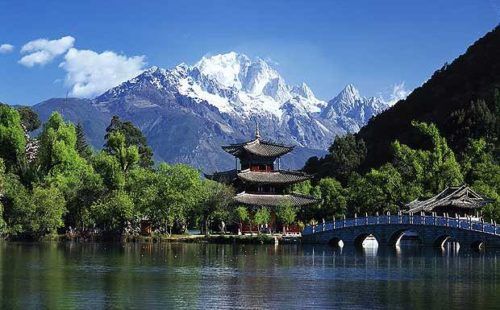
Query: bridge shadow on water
(370, 248)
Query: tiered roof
(274, 177)
(258, 147)
(455, 196)
(269, 150)
(269, 200)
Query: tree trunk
(207, 233)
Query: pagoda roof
(454, 196)
(274, 177)
(269, 200)
(258, 147)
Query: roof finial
(257, 131)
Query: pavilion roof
(269, 200)
(274, 177)
(454, 196)
(258, 147)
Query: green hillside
(461, 99)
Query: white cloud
(6, 48)
(399, 92)
(43, 51)
(89, 73)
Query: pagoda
(258, 178)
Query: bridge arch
(477, 245)
(441, 240)
(335, 242)
(396, 236)
(358, 241)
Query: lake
(176, 275)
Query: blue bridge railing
(429, 220)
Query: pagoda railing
(406, 219)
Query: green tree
(143, 188)
(286, 214)
(81, 189)
(82, 147)
(241, 215)
(48, 207)
(262, 217)
(110, 170)
(133, 137)
(179, 191)
(430, 170)
(12, 138)
(127, 156)
(345, 157)
(57, 152)
(2, 178)
(32, 213)
(333, 200)
(2, 193)
(216, 197)
(380, 190)
(482, 171)
(59, 164)
(113, 212)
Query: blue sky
(327, 44)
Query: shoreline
(215, 239)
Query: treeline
(413, 173)
(69, 187)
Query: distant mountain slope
(449, 99)
(188, 112)
(78, 111)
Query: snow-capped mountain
(188, 112)
(233, 83)
(351, 111)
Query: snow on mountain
(352, 111)
(187, 112)
(233, 83)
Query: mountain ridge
(187, 112)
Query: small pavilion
(454, 201)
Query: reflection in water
(71, 275)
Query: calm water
(97, 276)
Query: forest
(56, 183)
(68, 186)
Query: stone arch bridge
(388, 229)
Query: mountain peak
(350, 92)
(224, 68)
(304, 91)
